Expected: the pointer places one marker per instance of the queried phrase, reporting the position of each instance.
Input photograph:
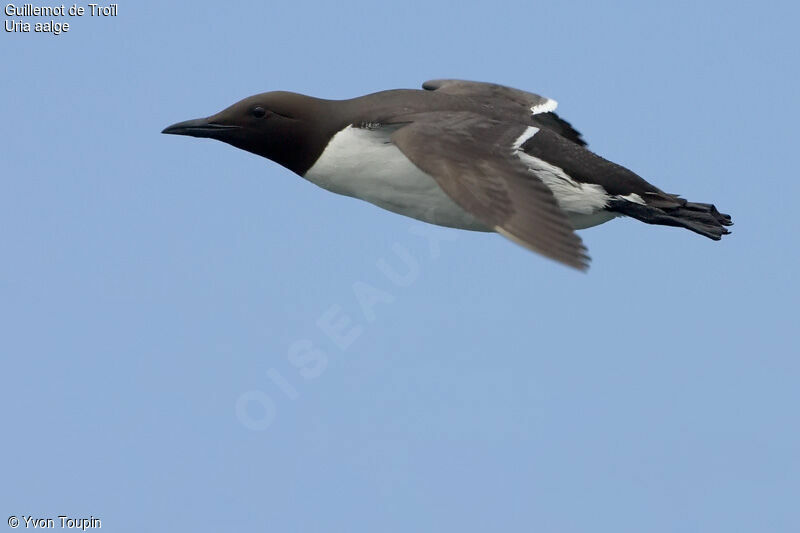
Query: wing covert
(472, 159)
(530, 107)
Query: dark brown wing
(532, 108)
(472, 159)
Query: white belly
(364, 164)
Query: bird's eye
(259, 112)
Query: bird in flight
(464, 154)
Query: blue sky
(157, 293)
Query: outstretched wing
(472, 158)
(533, 108)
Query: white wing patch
(549, 105)
(633, 197)
(529, 132)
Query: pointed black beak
(200, 127)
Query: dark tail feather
(670, 210)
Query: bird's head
(287, 128)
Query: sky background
(163, 366)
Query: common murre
(463, 154)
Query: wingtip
(578, 259)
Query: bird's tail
(671, 210)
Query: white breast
(363, 163)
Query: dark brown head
(288, 128)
